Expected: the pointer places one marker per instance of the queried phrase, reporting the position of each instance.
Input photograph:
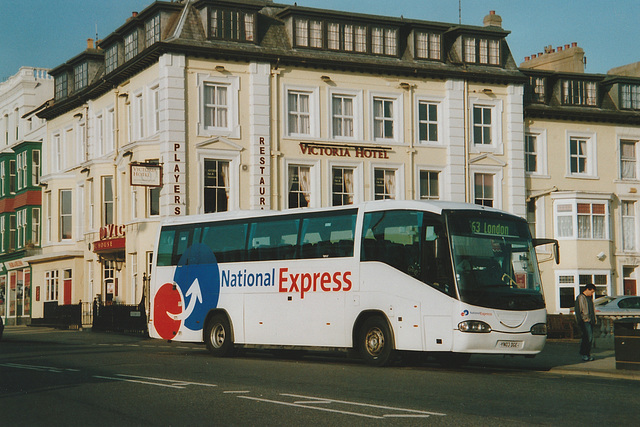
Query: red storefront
(111, 253)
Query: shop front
(15, 292)
(110, 250)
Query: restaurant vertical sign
(261, 175)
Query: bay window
(581, 219)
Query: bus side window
(328, 236)
(272, 239)
(393, 237)
(183, 241)
(429, 265)
(226, 241)
(436, 260)
(165, 247)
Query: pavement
(559, 356)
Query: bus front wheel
(374, 342)
(217, 336)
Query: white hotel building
(248, 104)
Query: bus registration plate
(515, 345)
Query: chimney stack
(492, 20)
(569, 58)
(89, 43)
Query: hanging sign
(146, 174)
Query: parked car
(1, 328)
(628, 305)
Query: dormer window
(428, 45)
(232, 25)
(535, 90)
(481, 51)
(131, 45)
(80, 76)
(346, 37)
(538, 89)
(630, 97)
(384, 41)
(111, 58)
(579, 92)
(152, 31)
(61, 86)
(308, 33)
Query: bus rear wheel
(375, 344)
(217, 336)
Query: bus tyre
(217, 336)
(374, 342)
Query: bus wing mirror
(554, 242)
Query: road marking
(308, 401)
(310, 407)
(415, 411)
(175, 382)
(301, 401)
(137, 381)
(37, 368)
(406, 416)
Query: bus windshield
(494, 260)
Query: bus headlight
(539, 329)
(474, 326)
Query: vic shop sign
(112, 231)
(109, 245)
(111, 239)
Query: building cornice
(582, 114)
(279, 57)
(53, 256)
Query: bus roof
(435, 206)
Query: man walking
(586, 318)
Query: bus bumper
(496, 342)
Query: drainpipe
(116, 124)
(116, 134)
(86, 132)
(275, 139)
(465, 114)
(412, 149)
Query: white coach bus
(448, 278)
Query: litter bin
(627, 343)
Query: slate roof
(184, 33)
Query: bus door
(414, 245)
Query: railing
(87, 313)
(26, 74)
(119, 318)
(605, 324)
(561, 326)
(565, 326)
(100, 317)
(61, 316)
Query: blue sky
(46, 33)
